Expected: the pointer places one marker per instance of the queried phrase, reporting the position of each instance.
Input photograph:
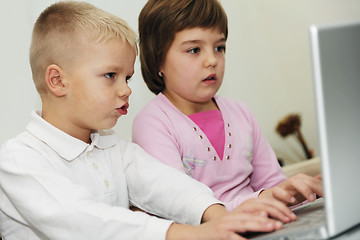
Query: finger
(285, 195)
(304, 189)
(272, 207)
(319, 176)
(308, 187)
(256, 226)
(262, 213)
(236, 236)
(255, 223)
(280, 211)
(317, 186)
(296, 186)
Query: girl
(187, 126)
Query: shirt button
(95, 166)
(229, 134)
(200, 136)
(208, 149)
(107, 184)
(194, 128)
(229, 146)
(228, 124)
(214, 158)
(227, 157)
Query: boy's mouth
(123, 110)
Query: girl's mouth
(211, 79)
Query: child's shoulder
(18, 143)
(160, 102)
(23, 146)
(157, 107)
(232, 103)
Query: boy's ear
(54, 81)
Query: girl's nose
(210, 60)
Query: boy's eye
(194, 50)
(128, 78)
(220, 48)
(110, 75)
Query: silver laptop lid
(336, 67)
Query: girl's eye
(220, 48)
(110, 75)
(194, 50)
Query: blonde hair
(59, 25)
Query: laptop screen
(336, 67)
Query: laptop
(336, 70)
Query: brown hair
(160, 20)
(59, 25)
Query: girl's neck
(188, 107)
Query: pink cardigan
(249, 164)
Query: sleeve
(267, 171)
(164, 191)
(151, 122)
(236, 201)
(35, 196)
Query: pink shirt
(212, 124)
(249, 163)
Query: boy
(65, 177)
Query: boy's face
(194, 65)
(97, 81)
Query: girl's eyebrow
(199, 41)
(221, 40)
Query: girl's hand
(267, 207)
(296, 189)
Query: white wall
(268, 62)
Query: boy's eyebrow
(114, 67)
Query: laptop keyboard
(307, 217)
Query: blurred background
(268, 63)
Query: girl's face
(193, 69)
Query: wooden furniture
(310, 167)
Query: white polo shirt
(54, 186)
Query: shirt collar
(65, 145)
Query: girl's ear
(161, 72)
(54, 80)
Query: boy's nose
(124, 91)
